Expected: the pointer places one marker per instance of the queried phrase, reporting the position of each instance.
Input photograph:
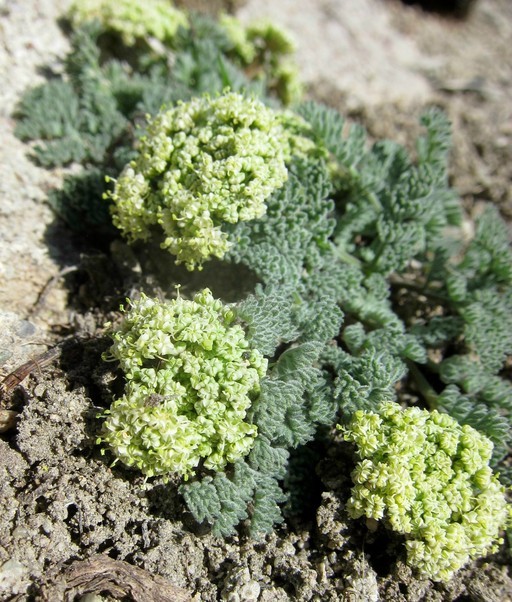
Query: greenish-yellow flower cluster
(202, 164)
(429, 478)
(191, 377)
(266, 47)
(133, 20)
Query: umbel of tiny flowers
(132, 20)
(428, 478)
(267, 48)
(191, 377)
(202, 164)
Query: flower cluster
(133, 20)
(191, 378)
(203, 163)
(429, 478)
(267, 49)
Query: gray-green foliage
(223, 500)
(287, 249)
(398, 207)
(292, 241)
(293, 319)
(295, 398)
(382, 197)
(476, 294)
(76, 119)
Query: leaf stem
(424, 387)
(348, 258)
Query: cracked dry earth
(71, 526)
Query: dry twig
(101, 574)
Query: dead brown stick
(103, 574)
(12, 380)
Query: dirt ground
(379, 62)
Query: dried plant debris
(102, 575)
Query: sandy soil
(380, 63)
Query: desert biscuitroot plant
(303, 251)
(367, 291)
(427, 477)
